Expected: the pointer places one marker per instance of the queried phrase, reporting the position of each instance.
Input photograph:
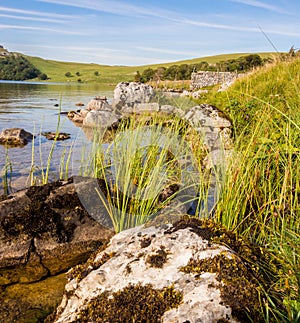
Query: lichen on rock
(207, 271)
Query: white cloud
(110, 6)
(260, 4)
(36, 13)
(167, 51)
(32, 18)
(28, 28)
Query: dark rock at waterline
(59, 137)
(15, 137)
(44, 231)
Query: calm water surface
(32, 106)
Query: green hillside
(111, 75)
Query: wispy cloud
(32, 18)
(111, 6)
(28, 28)
(262, 5)
(77, 49)
(36, 13)
(125, 9)
(167, 51)
(216, 26)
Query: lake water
(33, 107)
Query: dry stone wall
(207, 78)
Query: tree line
(184, 71)
(18, 68)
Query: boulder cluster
(187, 270)
(137, 98)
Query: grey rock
(99, 104)
(101, 119)
(207, 78)
(219, 158)
(128, 94)
(146, 107)
(130, 264)
(168, 109)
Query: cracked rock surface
(170, 256)
(44, 231)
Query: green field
(111, 75)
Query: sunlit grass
(261, 191)
(150, 163)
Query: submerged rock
(15, 137)
(51, 135)
(184, 267)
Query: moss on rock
(238, 287)
(135, 303)
(239, 273)
(82, 270)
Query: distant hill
(57, 71)
(111, 75)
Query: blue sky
(136, 32)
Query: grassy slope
(110, 75)
(261, 194)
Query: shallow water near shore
(34, 107)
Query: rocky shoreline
(45, 232)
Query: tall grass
(147, 166)
(261, 192)
(7, 174)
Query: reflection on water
(33, 106)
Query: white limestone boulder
(200, 281)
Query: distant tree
(17, 68)
(171, 72)
(68, 74)
(79, 80)
(77, 73)
(147, 75)
(160, 73)
(253, 60)
(96, 73)
(43, 77)
(137, 76)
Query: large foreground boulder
(172, 273)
